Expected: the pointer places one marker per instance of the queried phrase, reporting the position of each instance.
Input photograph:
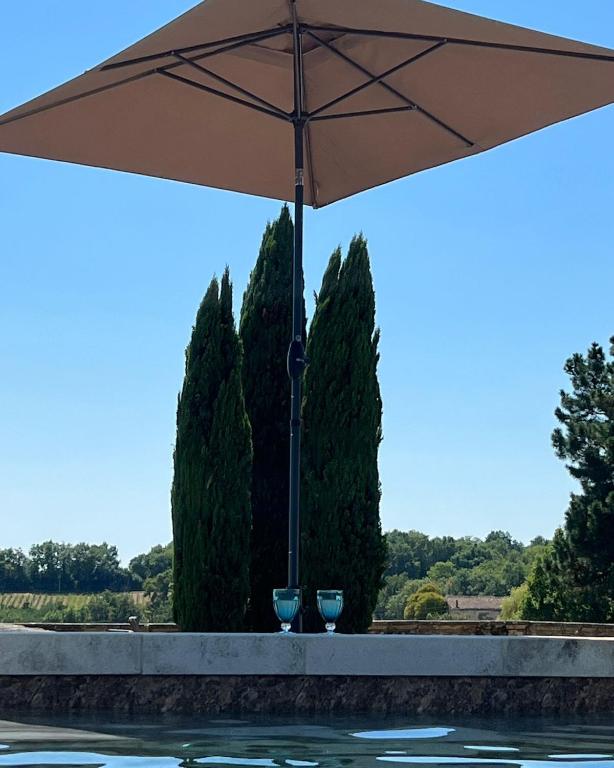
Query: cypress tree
(210, 496)
(265, 330)
(342, 542)
(574, 581)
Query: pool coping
(181, 654)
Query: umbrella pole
(296, 364)
(296, 353)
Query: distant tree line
(454, 566)
(81, 568)
(416, 563)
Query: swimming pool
(167, 742)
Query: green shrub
(426, 603)
(108, 607)
(512, 606)
(428, 587)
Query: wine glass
(286, 603)
(330, 605)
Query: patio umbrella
(311, 101)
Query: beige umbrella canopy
(457, 85)
(311, 100)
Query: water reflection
(172, 742)
(86, 759)
(492, 749)
(443, 761)
(261, 762)
(410, 733)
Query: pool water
(166, 742)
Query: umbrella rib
(201, 56)
(364, 112)
(230, 84)
(377, 78)
(390, 89)
(313, 187)
(76, 97)
(300, 88)
(236, 41)
(232, 46)
(309, 154)
(464, 41)
(221, 94)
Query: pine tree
(574, 580)
(266, 330)
(210, 494)
(342, 542)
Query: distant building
(483, 608)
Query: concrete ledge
(151, 654)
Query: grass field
(38, 601)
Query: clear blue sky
(488, 272)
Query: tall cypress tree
(265, 330)
(342, 542)
(210, 495)
(574, 581)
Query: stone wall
(214, 673)
(459, 627)
(307, 694)
(495, 628)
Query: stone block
(222, 654)
(389, 655)
(85, 653)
